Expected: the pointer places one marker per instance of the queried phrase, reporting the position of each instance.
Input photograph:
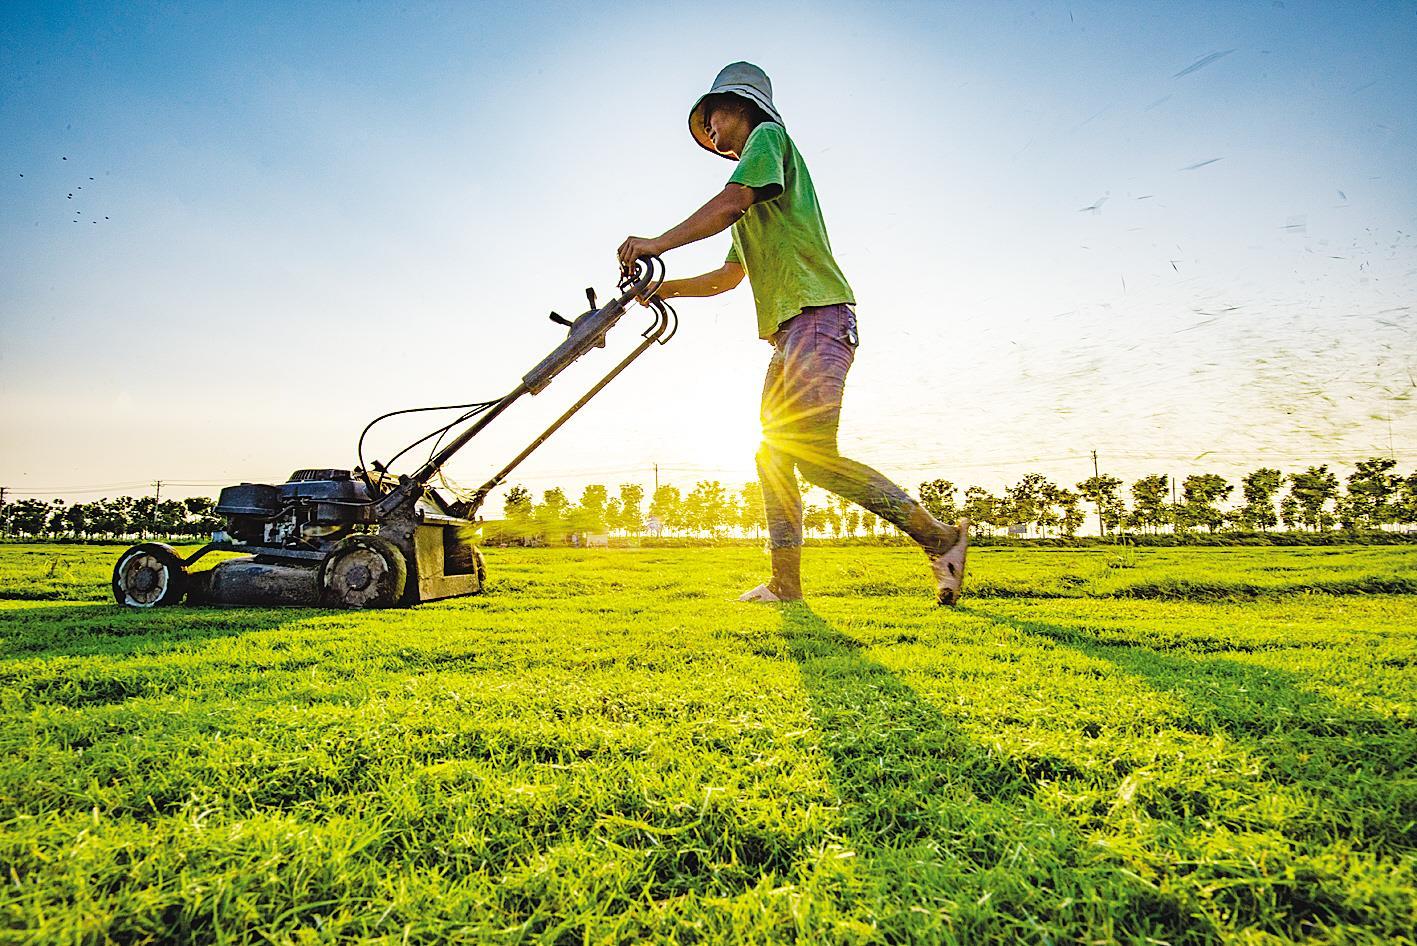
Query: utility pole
(1097, 494)
(157, 498)
(656, 477)
(1172, 478)
(3, 528)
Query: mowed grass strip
(605, 748)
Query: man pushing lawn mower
(805, 310)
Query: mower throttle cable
(657, 273)
(476, 406)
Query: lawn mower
(367, 537)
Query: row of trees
(123, 517)
(709, 509)
(1373, 496)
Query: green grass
(1158, 745)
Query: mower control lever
(586, 332)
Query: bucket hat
(744, 80)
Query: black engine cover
(321, 496)
(330, 486)
(249, 499)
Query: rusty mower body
(365, 537)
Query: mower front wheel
(363, 571)
(151, 575)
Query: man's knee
(819, 453)
(815, 472)
(768, 455)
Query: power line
(50, 490)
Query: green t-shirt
(781, 241)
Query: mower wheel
(151, 575)
(363, 571)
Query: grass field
(1151, 746)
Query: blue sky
(301, 216)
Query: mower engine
(314, 506)
(311, 541)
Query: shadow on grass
(1346, 771)
(81, 630)
(1358, 761)
(962, 850)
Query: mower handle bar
(586, 332)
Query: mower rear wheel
(151, 575)
(363, 571)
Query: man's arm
(717, 215)
(726, 277)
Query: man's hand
(717, 215)
(633, 248)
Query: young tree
(589, 515)
(552, 515)
(143, 514)
(29, 516)
(751, 515)
(76, 519)
(1259, 489)
(1051, 500)
(1199, 493)
(201, 515)
(54, 525)
(1024, 501)
(170, 518)
(938, 498)
(1312, 493)
(614, 515)
(852, 521)
(717, 505)
(109, 517)
(814, 518)
(1104, 493)
(1406, 505)
(632, 497)
(1150, 508)
(1372, 487)
(1070, 517)
(667, 506)
(837, 509)
(705, 509)
(517, 509)
(983, 509)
